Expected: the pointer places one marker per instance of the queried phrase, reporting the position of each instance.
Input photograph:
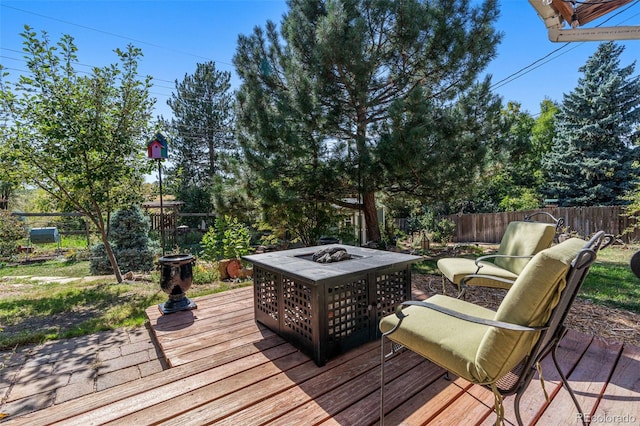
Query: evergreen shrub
(129, 239)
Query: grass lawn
(611, 282)
(33, 310)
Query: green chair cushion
(519, 239)
(456, 268)
(529, 302)
(445, 340)
(523, 239)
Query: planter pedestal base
(176, 304)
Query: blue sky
(176, 35)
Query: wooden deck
(228, 369)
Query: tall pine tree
(363, 97)
(592, 158)
(202, 145)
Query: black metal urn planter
(635, 264)
(176, 276)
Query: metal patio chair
(498, 349)
(520, 241)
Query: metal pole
(87, 231)
(161, 211)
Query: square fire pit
(328, 308)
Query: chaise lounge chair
(521, 240)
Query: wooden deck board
(168, 400)
(587, 380)
(315, 387)
(468, 408)
(534, 402)
(228, 369)
(428, 403)
(621, 399)
(359, 402)
(286, 381)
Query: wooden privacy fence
(585, 221)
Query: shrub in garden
(11, 232)
(129, 237)
(226, 239)
(431, 227)
(444, 231)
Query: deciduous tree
(80, 136)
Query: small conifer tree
(129, 236)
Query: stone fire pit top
(298, 263)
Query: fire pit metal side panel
(298, 323)
(392, 287)
(266, 285)
(347, 309)
(337, 310)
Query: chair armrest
(491, 256)
(607, 240)
(558, 221)
(464, 317)
(463, 282)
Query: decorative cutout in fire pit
(331, 254)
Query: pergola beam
(587, 12)
(564, 8)
(594, 34)
(555, 13)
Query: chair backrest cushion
(529, 302)
(523, 239)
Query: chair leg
(394, 349)
(462, 292)
(516, 407)
(382, 359)
(566, 385)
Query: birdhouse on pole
(157, 148)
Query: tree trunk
(371, 216)
(111, 256)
